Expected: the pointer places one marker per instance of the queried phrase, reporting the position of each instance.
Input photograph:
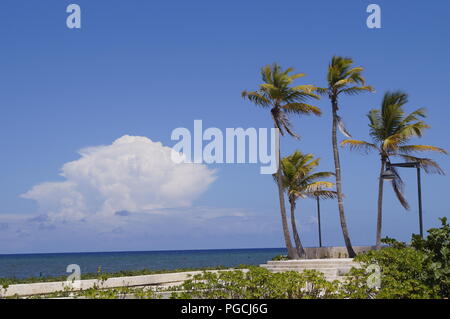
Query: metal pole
(419, 192)
(318, 218)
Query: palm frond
(397, 185)
(403, 134)
(302, 108)
(414, 116)
(298, 75)
(316, 186)
(306, 88)
(408, 149)
(354, 90)
(321, 91)
(256, 98)
(357, 145)
(341, 127)
(323, 194)
(428, 165)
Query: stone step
(312, 261)
(309, 266)
(325, 271)
(333, 269)
(302, 267)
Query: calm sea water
(43, 265)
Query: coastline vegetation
(420, 270)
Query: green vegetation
(280, 257)
(258, 283)
(98, 293)
(421, 270)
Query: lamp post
(388, 174)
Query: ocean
(48, 265)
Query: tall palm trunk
(298, 244)
(380, 205)
(292, 253)
(337, 166)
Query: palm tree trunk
(380, 205)
(337, 165)
(292, 253)
(298, 244)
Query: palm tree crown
(391, 129)
(299, 179)
(277, 93)
(343, 78)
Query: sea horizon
(137, 251)
(37, 265)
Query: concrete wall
(41, 288)
(333, 252)
(131, 281)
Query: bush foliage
(258, 283)
(419, 270)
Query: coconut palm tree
(391, 129)
(279, 96)
(343, 79)
(300, 181)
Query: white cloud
(194, 227)
(132, 174)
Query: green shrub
(436, 248)
(257, 283)
(402, 271)
(421, 270)
(280, 257)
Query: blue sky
(143, 68)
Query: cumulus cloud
(133, 174)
